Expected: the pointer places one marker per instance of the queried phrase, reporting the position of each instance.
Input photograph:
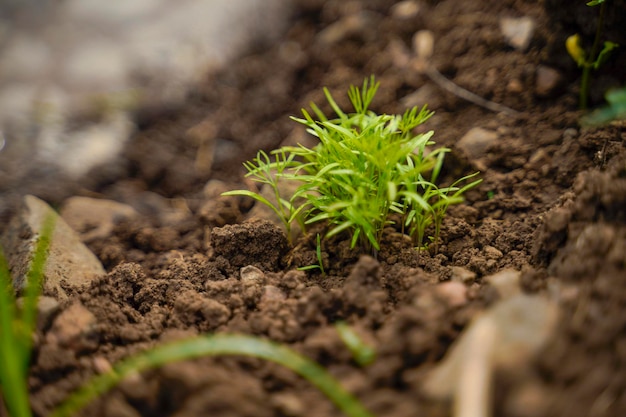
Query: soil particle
(260, 241)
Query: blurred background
(74, 73)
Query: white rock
(518, 32)
(68, 260)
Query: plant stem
(584, 82)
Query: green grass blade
(34, 284)
(334, 105)
(16, 329)
(13, 379)
(212, 346)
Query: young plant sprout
(365, 168)
(596, 58)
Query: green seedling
(365, 168)
(212, 346)
(596, 57)
(318, 254)
(264, 171)
(17, 326)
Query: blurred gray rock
(69, 260)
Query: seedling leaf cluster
(366, 169)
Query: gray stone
(68, 260)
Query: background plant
(616, 109)
(365, 168)
(596, 57)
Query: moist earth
(552, 205)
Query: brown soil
(552, 204)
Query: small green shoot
(365, 168)
(318, 254)
(212, 346)
(17, 326)
(264, 171)
(596, 58)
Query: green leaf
(595, 2)
(604, 54)
(259, 198)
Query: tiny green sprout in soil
(595, 57)
(365, 169)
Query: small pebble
(475, 143)
(546, 80)
(463, 275)
(518, 32)
(101, 365)
(405, 9)
(453, 293)
(251, 275)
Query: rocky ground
(528, 281)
